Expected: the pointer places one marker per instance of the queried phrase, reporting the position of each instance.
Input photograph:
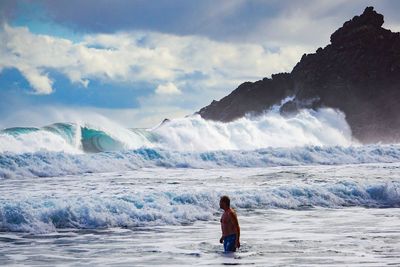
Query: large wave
(73, 138)
(309, 137)
(309, 127)
(49, 213)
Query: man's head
(225, 202)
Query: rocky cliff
(357, 73)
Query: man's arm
(221, 240)
(236, 224)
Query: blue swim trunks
(229, 243)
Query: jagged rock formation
(358, 73)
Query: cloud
(130, 57)
(229, 20)
(32, 54)
(199, 51)
(167, 89)
(37, 79)
(277, 41)
(311, 22)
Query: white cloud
(37, 79)
(195, 68)
(138, 57)
(168, 89)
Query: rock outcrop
(357, 73)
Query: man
(229, 225)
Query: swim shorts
(230, 243)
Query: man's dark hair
(226, 200)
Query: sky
(136, 62)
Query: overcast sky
(138, 62)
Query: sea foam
(47, 164)
(48, 213)
(193, 133)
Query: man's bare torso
(228, 225)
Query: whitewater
(306, 192)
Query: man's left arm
(236, 223)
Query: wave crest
(308, 127)
(47, 164)
(47, 214)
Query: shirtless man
(229, 225)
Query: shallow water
(335, 237)
(289, 216)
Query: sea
(98, 194)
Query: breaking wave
(309, 137)
(309, 127)
(47, 164)
(46, 214)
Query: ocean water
(306, 193)
(290, 216)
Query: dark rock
(358, 73)
(258, 95)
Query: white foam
(325, 127)
(322, 127)
(177, 206)
(58, 163)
